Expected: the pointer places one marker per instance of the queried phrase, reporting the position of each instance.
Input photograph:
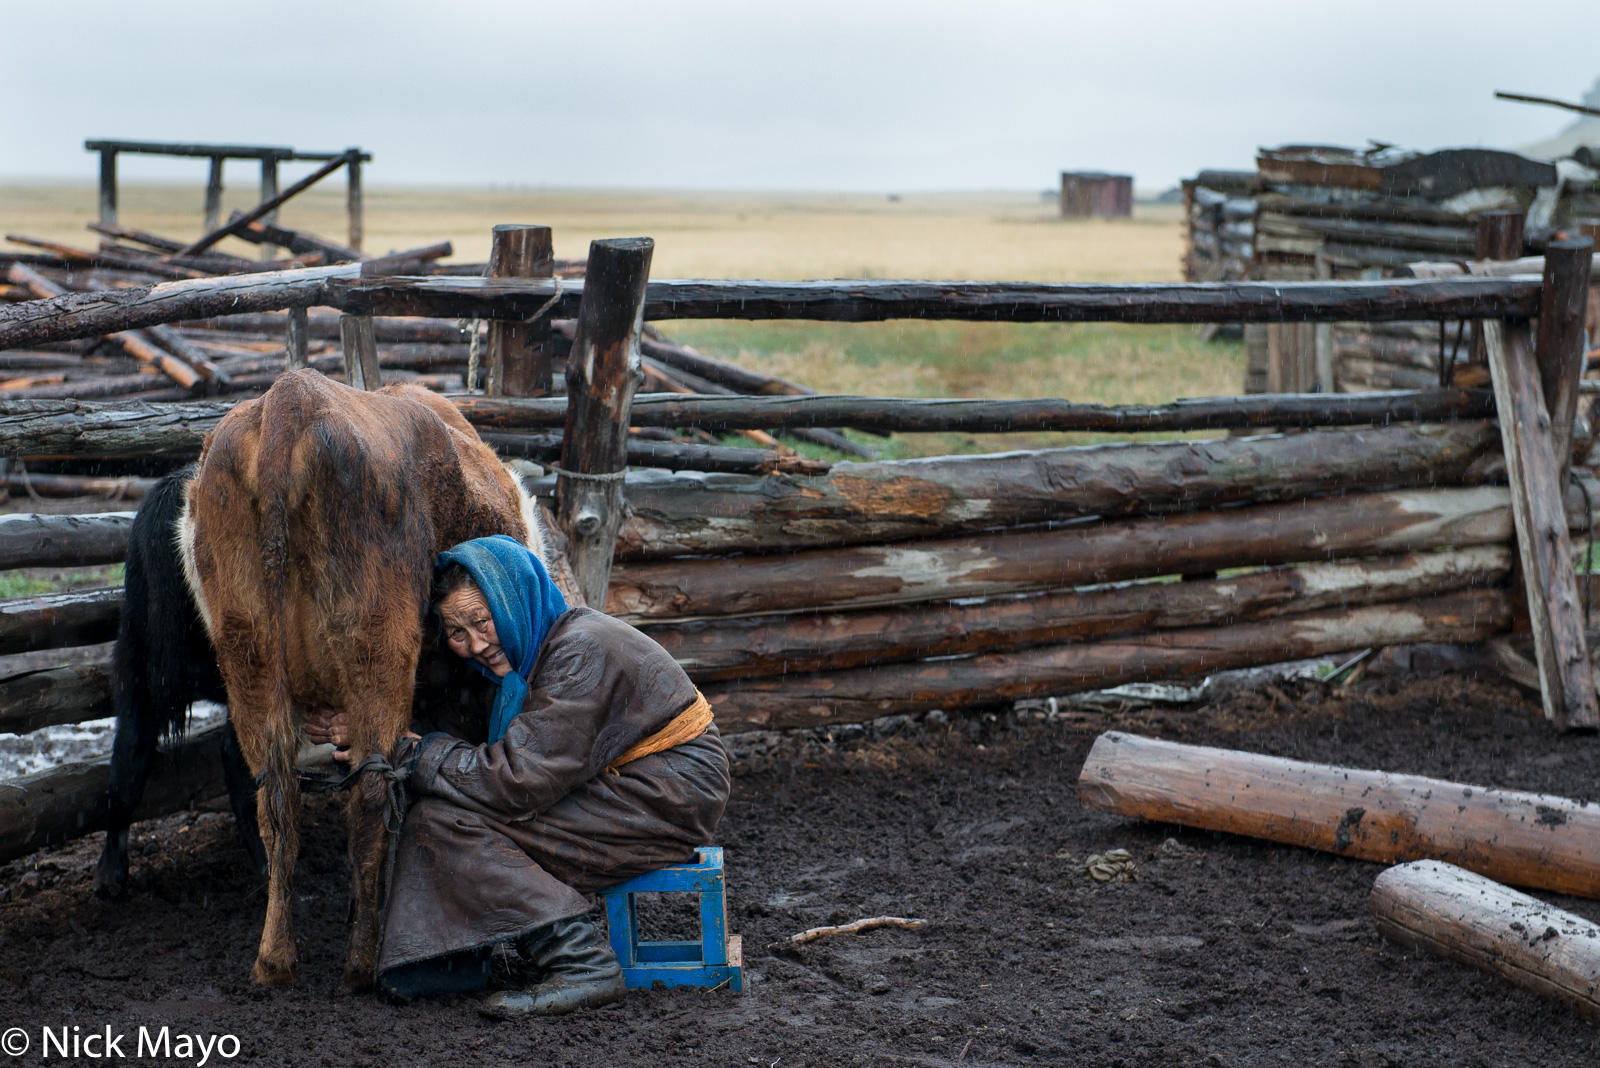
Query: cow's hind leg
(278, 813)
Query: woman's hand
(327, 725)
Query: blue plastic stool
(716, 959)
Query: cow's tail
(286, 410)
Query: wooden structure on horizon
(1086, 194)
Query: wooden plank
(68, 801)
(360, 347)
(59, 620)
(602, 374)
(78, 315)
(941, 496)
(1561, 344)
(1545, 547)
(1525, 839)
(746, 647)
(63, 540)
(987, 565)
(871, 300)
(1453, 913)
(519, 352)
(858, 694)
(905, 415)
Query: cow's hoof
(110, 881)
(274, 973)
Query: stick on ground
(857, 927)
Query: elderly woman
(597, 762)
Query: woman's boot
(577, 970)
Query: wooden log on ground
(129, 488)
(1554, 609)
(901, 415)
(602, 375)
(746, 647)
(988, 565)
(295, 241)
(69, 801)
(1456, 914)
(519, 352)
(1560, 347)
(876, 502)
(59, 620)
(859, 694)
(55, 696)
(669, 455)
(63, 540)
(873, 300)
(80, 315)
(87, 258)
(1524, 839)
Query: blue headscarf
(524, 602)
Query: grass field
(992, 236)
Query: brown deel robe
(508, 837)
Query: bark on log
(872, 300)
(69, 801)
(325, 325)
(875, 502)
(77, 315)
(602, 375)
(860, 694)
(124, 428)
(1525, 839)
(1453, 913)
(718, 649)
(103, 258)
(63, 540)
(1545, 548)
(991, 565)
(59, 695)
(899, 415)
(128, 488)
(59, 620)
(668, 455)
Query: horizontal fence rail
(78, 315)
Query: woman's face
(469, 629)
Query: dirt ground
(1224, 951)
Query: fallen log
(69, 801)
(859, 694)
(57, 695)
(990, 565)
(873, 300)
(892, 500)
(80, 315)
(104, 258)
(59, 620)
(63, 540)
(718, 649)
(900, 415)
(1453, 913)
(1535, 840)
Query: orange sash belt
(686, 726)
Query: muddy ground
(1224, 951)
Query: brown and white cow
(308, 540)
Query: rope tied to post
(585, 476)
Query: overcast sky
(805, 94)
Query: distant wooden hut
(1089, 193)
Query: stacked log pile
(1220, 212)
(1339, 213)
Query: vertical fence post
(1562, 343)
(1500, 235)
(297, 340)
(352, 200)
(269, 189)
(1544, 547)
(360, 343)
(519, 353)
(214, 195)
(603, 371)
(108, 187)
